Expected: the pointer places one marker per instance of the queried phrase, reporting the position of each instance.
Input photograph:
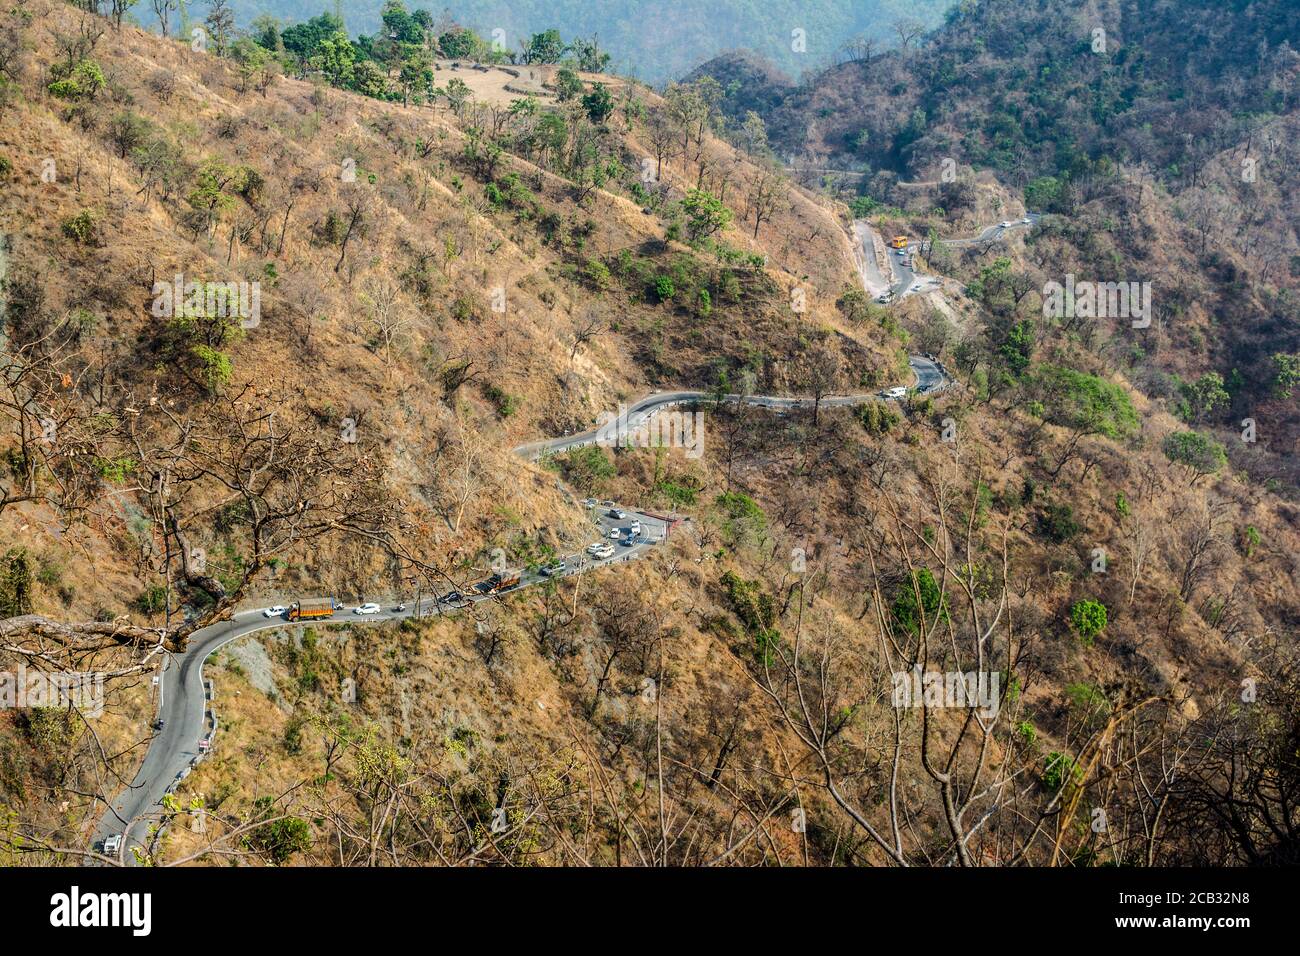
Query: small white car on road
(614, 534)
(1006, 225)
(603, 552)
(556, 567)
(616, 514)
(276, 611)
(1027, 221)
(896, 392)
(367, 609)
(112, 844)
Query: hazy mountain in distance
(652, 39)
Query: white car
(557, 567)
(635, 528)
(616, 514)
(1006, 225)
(604, 551)
(896, 392)
(276, 611)
(366, 609)
(595, 546)
(589, 502)
(614, 534)
(112, 844)
(1027, 221)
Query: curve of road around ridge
(183, 709)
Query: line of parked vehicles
(498, 583)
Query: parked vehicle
(603, 552)
(309, 609)
(556, 567)
(501, 581)
(616, 514)
(112, 844)
(897, 392)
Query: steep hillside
(442, 278)
(1162, 134)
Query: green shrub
(598, 275)
(152, 599)
(17, 570)
(1088, 618)
(1200, 454)
(665, 288)
(78, 81)
(82, 228)
(1057, 524)
(1060, 769)
(932, 605)
(215, 367)
(584, 467)
(876, 418)
(757, 611)
(506, 404)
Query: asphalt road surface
(185, 714)
(907, 281)
(929, 378)
(185, 711)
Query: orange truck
(898, 242)
(311, 609)
(501, 581)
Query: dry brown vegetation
(721, 702)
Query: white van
(896, 392)
(112, 844)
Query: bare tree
(163, 9)
(768, 194)
(590, 326)
(908, 29)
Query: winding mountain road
(184, 715)
(908, 281)
(187, 718)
